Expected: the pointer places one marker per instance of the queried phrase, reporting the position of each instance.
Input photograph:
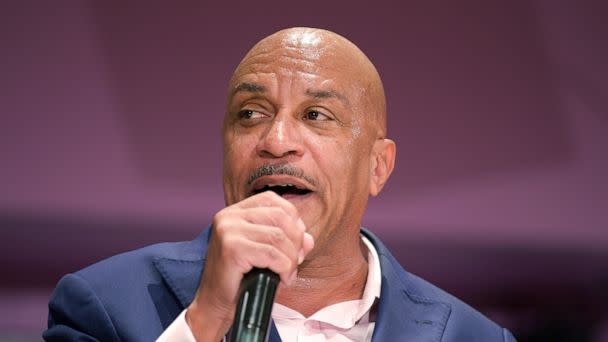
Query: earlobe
(382, 164)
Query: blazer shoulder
(131, 274)
(139, 262)
(464, 323)
(123, 295)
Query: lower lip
(293, 198)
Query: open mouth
(284, 190)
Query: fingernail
(308, 237)
(300, 256)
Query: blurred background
(109, 141)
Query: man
(304, 147)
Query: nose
(281, 138)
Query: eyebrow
(249, 87)
(327, 94)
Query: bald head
(309, 51)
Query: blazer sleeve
(77, 314)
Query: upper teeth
(280, 184)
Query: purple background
(109, 140)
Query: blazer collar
(404, 314)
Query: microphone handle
(252, 316)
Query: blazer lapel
(273, 333)
(182, 277)
(182, 272)
(402, 314)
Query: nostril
(270, 154)
(278, 150)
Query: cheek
(337, 159)
(237, 150)
(238, 146)
(354, 166)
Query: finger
(273, 236)
(233, 219)
(308, 243)
(263, 255)
(274, 216)
(269, 199)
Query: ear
(382, 164)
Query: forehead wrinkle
(282, 61)
(307, 55)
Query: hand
(264, 231)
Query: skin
(308, 100)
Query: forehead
(306, 59)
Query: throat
(309, 293)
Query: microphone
(253, 310)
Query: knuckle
(221, 227)
(282, 215)
(227, 221)
(271, 253)
(270, 195)
(219, 218)
(274, 215)
(290, 206)
(220, 214)
(275, 237)
(291, 210)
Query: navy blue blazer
(136, 295)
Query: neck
(326, 279)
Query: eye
(315, 115)
(250, 114)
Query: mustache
(280, 169)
